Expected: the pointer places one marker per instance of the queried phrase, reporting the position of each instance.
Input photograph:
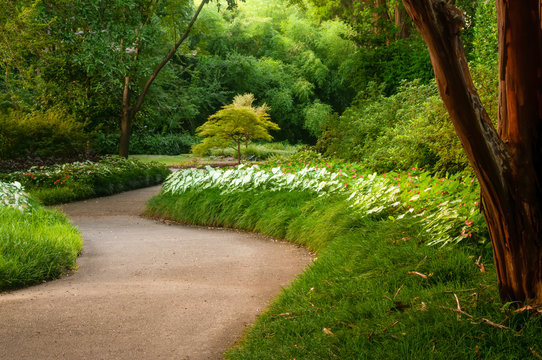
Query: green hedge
(49, 133)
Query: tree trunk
(126, 120)
(401, 16)
(507, 162)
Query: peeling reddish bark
(507, 161)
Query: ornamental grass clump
(36, 244)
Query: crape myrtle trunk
(508, 160)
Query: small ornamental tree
(237, 123)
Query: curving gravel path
(147, 290)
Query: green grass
(259, 151)
(360, 299)
(167, 160)
(35, 246)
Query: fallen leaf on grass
(328, 331)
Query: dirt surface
(147, 290)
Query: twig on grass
(398, 291)
(285, 314)
(480, 265)
(390, 326)
(383, 330)
(498, 326)
(421, 262)
(418, 273)
(458, 311)
(535, 354)
(458, 307)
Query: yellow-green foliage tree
(237, 123)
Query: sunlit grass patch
(35, 245)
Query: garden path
(147, 290)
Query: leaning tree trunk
(128, 111)
(507, 162)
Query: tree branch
(165, 60)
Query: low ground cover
(81, 180)
(376, 289)
(36, 244)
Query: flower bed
(80, 180)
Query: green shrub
(397, 132)
(316, 116)
(50, 133)
(156, 144)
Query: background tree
(131, 107)
(506, 160)
(236, 124)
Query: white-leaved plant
(374, 195)
(12, 195)
(252, 178)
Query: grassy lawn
(183, 160)
(222, 156)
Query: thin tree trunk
(239, 152)
(380, 16)
(507, 163)
(126, 120)
(403, 27)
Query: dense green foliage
(376, 291)
(36, 244)
(328, 70)
(82, 180)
